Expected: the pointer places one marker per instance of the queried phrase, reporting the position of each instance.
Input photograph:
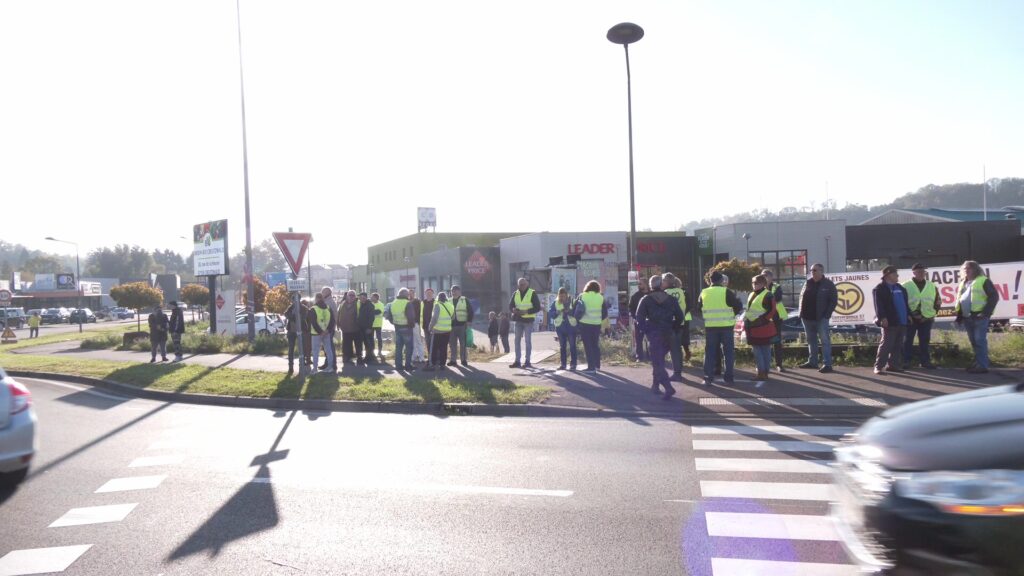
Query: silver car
(17, 430)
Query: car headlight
(975, 493)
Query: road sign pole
(297, 306)
(212, 284)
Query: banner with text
(857, 305)
(210, 248)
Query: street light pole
(78, 279)
(627, 33)
(746, 236)
(250, 287)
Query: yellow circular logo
(851, 298)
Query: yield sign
(293, 246)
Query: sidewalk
(854, 392)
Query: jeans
(638, 342)
(778, 345)
(368, 344)
(713, 339)
(160, 345)
(660, 340)
(977, 333)
(403, 342)
(439, 348)
(325, 341)
(816, 329)
(524, 329)
(763, 357)
(292, 340)
(890, 348)
(591, 335)
(567, 343)
(457, 341)
(676, 350)
(924, 336)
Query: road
(48, 329)
(128, 486)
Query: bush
(104, 341)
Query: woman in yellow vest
(759, 326)
(975, 302)
(440, 331)
(565, 327)
(591, 311)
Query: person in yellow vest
(590, 311)
(524, 306)
(759, 327)
(673, 286)
(440, 330)
(781, 314)
(924, 302)
(398, 314)
(461, 323)
(719, 307)
(565, 327)
(33, 325)
(976, 300)
(321, 321)
(378, 324)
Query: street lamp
(406, 259)
(828, 254)
(369, 270)
(746, 236)
(250, 286)
(627, 33)
(78, 278)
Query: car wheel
(12, 479)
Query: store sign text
(605, 248)
(651, 247)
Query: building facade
(872, 247)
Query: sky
(120, 122)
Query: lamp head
(625, 33)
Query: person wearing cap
(780, 315)
(347, 322)
(365, 314)
(158, 334)
(440, 330)
(924, 302)
(976, 300)
(658, 314)
(893, 315)
(176, 327)
(292, 333)
(719, 307)
(818, 301)
(461, 322)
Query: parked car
(17, 430)
(122, 313)
(13, 317)
(53, 316)
(84, 315)
(936, 486)
(1015, 324)
(264, 326)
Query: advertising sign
(226, 312)
(276, 278)
(16, 283)
(210, 251)
(45, 282)
(564, 278)
(857, 305)
(476, 266)
(426, 218)
(610, 283)
(65, 281)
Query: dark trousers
(591, 335)
(457, 341)
(307, 346)
(380, 342)
(675, 348)
(176, 340)
(368, 345)
(660, 341)
(292, 340)
(33, 331)
(567, 336)
(504, 343)
(638, 343)
(351, 345)
(439, 348)
(778, 345)
(923, 331)
(890, 348)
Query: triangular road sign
(293, 246)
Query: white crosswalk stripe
(94, 515)
(798, 458)
(131, 483)
(40, 560)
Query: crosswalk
(764, 500)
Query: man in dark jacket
(426, 313)
(656, 315)
(818, 300)
(158, 333)
(639, 354)
(176, 328)
(462, 320)
(290, 329)
(893, 315)
(364, 319)
(351, 338)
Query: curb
(431, 408)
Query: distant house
(931, 215)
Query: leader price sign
(210, 251)
(856, 304)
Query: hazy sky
(120, 121)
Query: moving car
(17, 430)
(54, 316)
(83, 314)
(936, 486)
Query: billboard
(210, 251)
(426, 218)
(65, 281)
(276, 278)
(44, 282)
(857, 304)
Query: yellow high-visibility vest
(398, 307)
(717, 314)
(524, 302)
(460, 310)
(378, 320)
(755, 306)
(680, 295)
(593, 302)
(444, 317)
(978, 297)
(559, 309)
(323, 317)
(924, 298)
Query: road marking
(40, 560)
(775, 430)
(156, 461)
(766, 490)
(460, 489)
(92, 391)
(783, 402)
(788, 466)
(167, 444)
(765, 446)
(788, 526)
(739, 567)
(131, 483)
(94, 515)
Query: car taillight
(21, 398)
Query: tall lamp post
(828, 253)
(250, 287)
(746, 236)
(627, 33)
(406, 259)
(78, 278)
(369, 269)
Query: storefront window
(866, 264)
(789, 268)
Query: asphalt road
(242, 491)
(48, 329)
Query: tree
(740, 273)
(278, 299)
(195, 295)
(137, 295)
(260, 288)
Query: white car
(264, 326)
(17, 430)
